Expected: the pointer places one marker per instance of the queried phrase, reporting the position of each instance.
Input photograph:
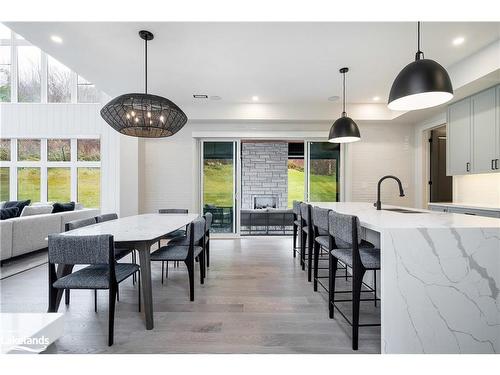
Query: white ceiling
(279, 62)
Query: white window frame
(44, 164)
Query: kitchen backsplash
(480, 189)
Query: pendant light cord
(146, 66)
(343, 96)
(419, 55)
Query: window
(58, 184)
(49, 170)
(58, 82)
(86, 91)
(89, 181)
(324, 172)
(4, 184)
(28, 150)
(4, 149)
(5, 73)
(58, 150)
(296, 173)
(29, 74)
(89, 150)
(28, 183)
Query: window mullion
(13, 73)
(44, 78)
(74, 176)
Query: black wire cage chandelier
(142, 114)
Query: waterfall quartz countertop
(440, 279)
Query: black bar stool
(296, 227)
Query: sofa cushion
(8, 213)
(63, 207)
(36, 210)
(5, 239)
(19, 204)
(29, 233)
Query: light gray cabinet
(464, 210)
(473, 134)
(485, 139)
(458, 129)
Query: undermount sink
(403, 211)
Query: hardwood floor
(256, 299)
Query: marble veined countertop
(465, 205)
(370, 218)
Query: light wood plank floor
(256, 299)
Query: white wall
(78, 120)
(169, 166)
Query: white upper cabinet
(474, 134)
(459, 138)
(484, 132)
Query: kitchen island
(440, 278)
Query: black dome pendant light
(421, 84)
(344, 129)
(144, 115)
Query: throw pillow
(63, 207)
(8, 213)
(19, 204)
(36, 210)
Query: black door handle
(467, 167)
(493, 164)
(496, 163)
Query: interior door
(219, 184)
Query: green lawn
(58, 184)
(4, 184)
(218, 184)
(89, 187)
(28, 184)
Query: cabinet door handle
(467, 167)
(496, 163)
(493, 163)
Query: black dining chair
(307, 238)
(360, 259)
(297, 229)
(187, 254)
(103, 271)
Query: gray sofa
(267, 221)
(25, 234)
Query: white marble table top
(465, 205)
(375, 220)
(147, 227)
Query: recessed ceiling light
(376, 98)
(215, 97)
(458, 40)
(200, 96)
(255, 98)
(334, 98)
(56, 39)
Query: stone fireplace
(265, 201)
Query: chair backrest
(320, 218)
(75, 224)
(106, 217)
(344, 227)
(65, 249)
(296, 208)
(208, 221)
(198, 228)
(305, 212)
(173, 211)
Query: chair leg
(162, 270)
(166, 271)
(357, 281)
(111, 321)
(66, 296)
(375, 287)
(303, 238)
(118, 293)
(135, 262)
(316, 261)
(190, 269)
(207, 249)
(310, 245)
(332, 271)
(95, 300)
(294, 243)
(139, 288)
(202, 267)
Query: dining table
(139, 232)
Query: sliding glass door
(323, 172)
(219, 172)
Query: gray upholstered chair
(186, 254)
(360, 259)
(296, 225)
(102, 273)
(307, 238)
(175, 234)
(120, 252)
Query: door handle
(493, 164)
(496, 163)
(467, 167)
